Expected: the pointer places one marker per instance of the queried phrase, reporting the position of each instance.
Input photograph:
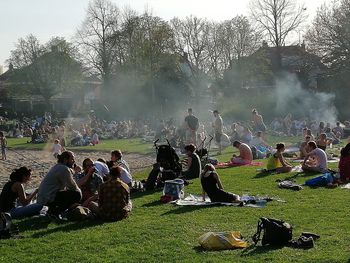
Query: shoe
(56, 218)
(308, 234)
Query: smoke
(302, 103)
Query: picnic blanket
(231, 164)
(197, 200)
(298, 160)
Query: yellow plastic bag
(222, 240)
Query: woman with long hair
(212, 186)
(277, 163)
(13, 198)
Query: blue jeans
(25, 211)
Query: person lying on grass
(212, 186)
(13, 191)
(245, 154)
(277, 163)
(113, 199)
(319, 162)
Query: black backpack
(275, 232)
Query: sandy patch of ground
(41, 161)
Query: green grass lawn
(127, 145)
(157, 232)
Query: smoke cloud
(302, 103)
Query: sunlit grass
(157, 232)
(127, 145)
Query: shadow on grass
(256, 250)
(33, 223)
(262, 174)
(136, 195)
(152, 204)
(67, 227)
(185, 209)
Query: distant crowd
(101, 189)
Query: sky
(49, 18)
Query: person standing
(258, 122)
(3, 145)
(192, 125)
(217, 125)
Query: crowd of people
(103, 187)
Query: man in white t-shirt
(319, 162)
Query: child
(3, 145)
(94, 139)
(56, 148)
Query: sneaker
(308, 234)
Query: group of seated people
(101, 186)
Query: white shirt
(320, 157)
(101, 168)
(57, 148)
(125, 176)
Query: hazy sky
(48, 18)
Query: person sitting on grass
(344, 164)
(113, 199)
(319, 162)
(58, 190)
(322, 141)
(13, 190)
(303, 149)
(193, 163)
(212, 186)
(277, 163)
(245, 154)
(88, 180)
(117, 158)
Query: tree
(277, 18)
(240, 39)
(329, 38)
(44, 70)
(329, 35)
(99, 37)
(191, 37)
